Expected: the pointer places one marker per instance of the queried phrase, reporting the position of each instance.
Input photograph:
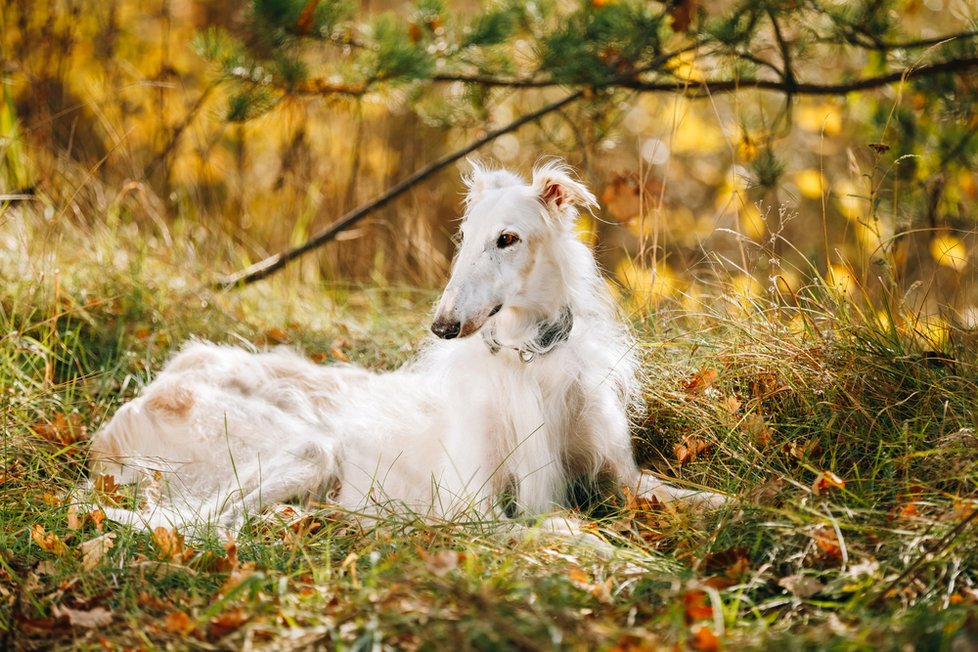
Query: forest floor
(846, 439)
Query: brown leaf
(692, 446)
(147, 600)
(171, 546)
(227, 622)
(732, 562)
(48, 541)
(107, 490)
(702, 638)
(825, 482)
(272, 336)
(63, 430)
(178, 622)
(92, 619)
(74, 523)
(827, 543)
(697, 606)
(98, 516)
(700, 381)
(757, 429)
(94, 550)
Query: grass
(849, 446)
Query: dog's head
(509, 235)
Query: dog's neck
(547, 335)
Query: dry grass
(849, 448)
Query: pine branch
(714, 87)
(272, 264)
(729, 85)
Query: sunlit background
(111, 113)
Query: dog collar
(549, 335)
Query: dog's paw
(649, 486)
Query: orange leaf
(827, 543)
(48, 541)
(178, 622)
(62, 430)
(272, 336)
(692, 446)
(107, 490)
(703, 639)
(757, 429)
(826, 481)
(170, 544)
(697, 606)
(227, 622)
(700, 381)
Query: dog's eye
(507, 239)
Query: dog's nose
(446, 329)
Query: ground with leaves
(846, 441)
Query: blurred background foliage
(732, 144)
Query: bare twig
(273, 263)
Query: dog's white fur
(226, 431)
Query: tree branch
(273, 263)
(801, 88)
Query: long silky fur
(222, 432)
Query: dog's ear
(558, 190)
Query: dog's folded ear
(558, 190)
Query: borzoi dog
(527, 388)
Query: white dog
(527, 389)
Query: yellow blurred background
(109, 114)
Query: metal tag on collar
(526, 356)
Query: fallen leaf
(691, 446)
(964, 508)
(826, 481)
(47, 541)
(272, 336)
(702, 638)
(700, 381)
(178, 622)
(827, 543)
(803, 586)
(64, 430)
(74, 522)
(227, 622)
(757, 429)
(147, 600)
(93, 551)
(97, 617)
(336, 350)
(732, 562)
(171, 545)
(696, 605)
(107, 489)
(732, 403)
(645, 504)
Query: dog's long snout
(445, 329)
